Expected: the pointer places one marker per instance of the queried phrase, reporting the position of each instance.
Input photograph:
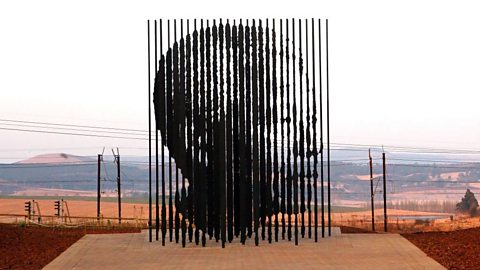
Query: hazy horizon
(400, 74)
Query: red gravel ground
(454, 250)
(34, 247)
(346, 229)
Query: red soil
(34, 247)
(346, 229)
(454, 250)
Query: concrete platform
(341, 251)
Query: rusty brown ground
(454, 250)
(34, 247)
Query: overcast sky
(401, 73)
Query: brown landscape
(448, 239)
(253, 135)
(12, 210)
(33, 247)
(455, 249)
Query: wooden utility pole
(372, 201)
(117, 160)
(99, 160)
(384, 193)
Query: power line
(72, 125)
(71, 129)
(406, 181)
(65, 148)
(75, 134)
(353, 147)
(59, 181)
(430, 166)
(433, 160)
(462, 151)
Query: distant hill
(55, 158)
(409, 177)
(61, 171)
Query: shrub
(469, 204)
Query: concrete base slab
(341, 251)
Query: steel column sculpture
(226, 112)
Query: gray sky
(402, 73)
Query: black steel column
(276, 202)
(176, 95)
(283, 208)
(295, 142)
(170, 140)
(268, 119)
(156, 148)
(314, 142)
(302, 132)
(307, 135)
(182, 145)
(261, 119)
(190, 156)
(229, 135)
(289, 128)
(256, 173)
(162, 126)
(328, 140)
(149, 144)
(248, 132)
(222, 142)
(242, 150)
(321, 128)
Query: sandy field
(82, 209)
(12, 210)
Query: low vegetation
(436, 206)
(468, 205)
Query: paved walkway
(345, 251)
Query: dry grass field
(415, 222)
(12, 211)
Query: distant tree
(469, 204)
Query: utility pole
(384, 193)
(372, 201)
(99, 160)
(117, 160)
